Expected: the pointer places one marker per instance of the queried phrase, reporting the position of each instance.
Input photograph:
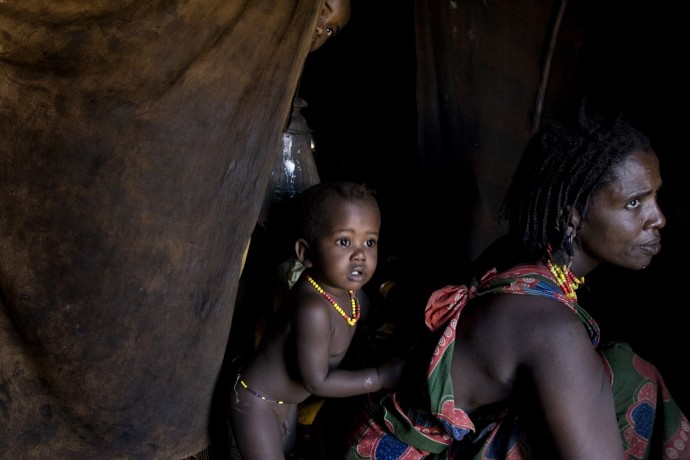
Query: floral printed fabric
(392, 427)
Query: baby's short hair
(312, 204)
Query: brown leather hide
(136, 142)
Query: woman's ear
(573, 223)
(302, 252)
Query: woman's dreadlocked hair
(561, 168)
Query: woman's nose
(656, 218)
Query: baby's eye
(632, 204)
(371, 243)
(343, 242)
(329, 31)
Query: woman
(508, 370)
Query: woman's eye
(632, 204)
(329, 31)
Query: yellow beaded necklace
(351, 320)
(565, 278)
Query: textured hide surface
(136, 142)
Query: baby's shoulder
(306, 305)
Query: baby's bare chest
(341, 339)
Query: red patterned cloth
(425, 424)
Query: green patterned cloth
(423, 423)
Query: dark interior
(137, 140)
(441, 170)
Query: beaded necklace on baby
(351, 320)
(565, 278)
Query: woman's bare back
(535, 352)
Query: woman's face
(333, 17)
(623, 222)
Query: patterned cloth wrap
(394, 429)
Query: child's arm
(314, 335)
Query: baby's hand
(390, 372)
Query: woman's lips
(651, 248)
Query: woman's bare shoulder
(524, 324)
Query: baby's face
(346, 252)
(333, 17)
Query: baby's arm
(313, 332)
(389, 373)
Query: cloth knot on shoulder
(447, 302)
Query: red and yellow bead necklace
(351, 320)
(565, 278)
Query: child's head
(338, 226)
(334, 16)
